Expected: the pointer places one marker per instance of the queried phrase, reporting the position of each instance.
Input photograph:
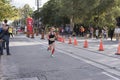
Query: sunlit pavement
(31, 61)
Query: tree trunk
(71, 22)
(71, 25)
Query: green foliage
(96, 12)
(26, 11)
(6, 10)
(50, 12)
(22, 14)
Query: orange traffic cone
(60, 39)
(85, 44)
(75, 41)
(63, 39)
(101, 46)
(70, 40)
(118, 50)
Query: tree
(49, 12)
(6, 10)
(24, 12)
(96, 12)
(21, 15)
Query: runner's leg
(53, 48)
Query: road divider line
(110, 76)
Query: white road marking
(34, 78)
(111, 76)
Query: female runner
(51, 40)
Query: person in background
(97, 33)
(91, 32)
(6, 36)
(82, 30)
(111, 33)
(10, 31)
(1, 41)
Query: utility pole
(38, 4)
(38, 23)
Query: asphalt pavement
(30, 60)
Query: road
(30, 60)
